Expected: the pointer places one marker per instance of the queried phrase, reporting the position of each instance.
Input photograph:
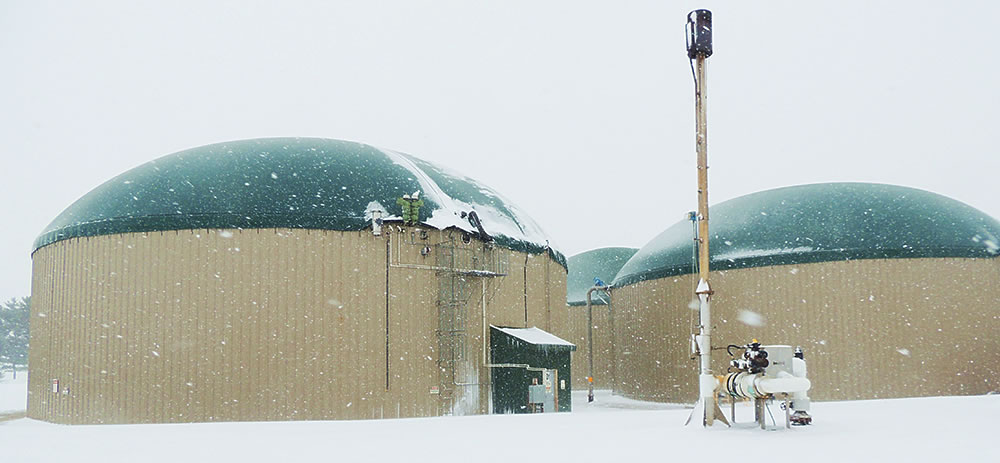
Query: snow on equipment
(410, 205)
(376, 213)
(763, 372)
(476, 222)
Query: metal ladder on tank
(452, 305)
(459, 267)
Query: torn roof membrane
(288, 183)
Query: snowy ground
(13, 393)
(613, 429)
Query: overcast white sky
(580, 112)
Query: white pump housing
(766, 372)
(780, 358)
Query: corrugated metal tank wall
(874, 328)
(270, 324)
(603, 346)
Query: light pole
(699, 48)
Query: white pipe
(590, 341)
(470, 272)
(753, 386)
(800, 400)
(485, 347)
(396, 262)
(784, 383)
(707, 383)
(516, 365)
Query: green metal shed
(521, 356)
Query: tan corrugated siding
(556, 298)
(54, 324)
(185, 252)
(57, 348)
(76, 299)
(577, 320)
(870, 328)
(157, 277)
(203, 325)
(53, 315)
(78, 367)
(254, 373)
(41, 290)
(413, 319)
(506, 296)
(144, 277)
(539, 314)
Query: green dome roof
(289, 183)
(602, 263)
(818, 223)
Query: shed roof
(288, 183)
(818, 223)
(535, 336)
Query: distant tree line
(14, 316)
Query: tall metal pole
(701, 145)
(704, 292)
(699, 49)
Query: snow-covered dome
(819, 223)
(288, 183)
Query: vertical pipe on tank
(590, 342)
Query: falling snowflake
(751, 318)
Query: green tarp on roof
(289, 183)
(818, 223)
(603, 263)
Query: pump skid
(766, 373)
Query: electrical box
(543, 396)
(536, 394)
